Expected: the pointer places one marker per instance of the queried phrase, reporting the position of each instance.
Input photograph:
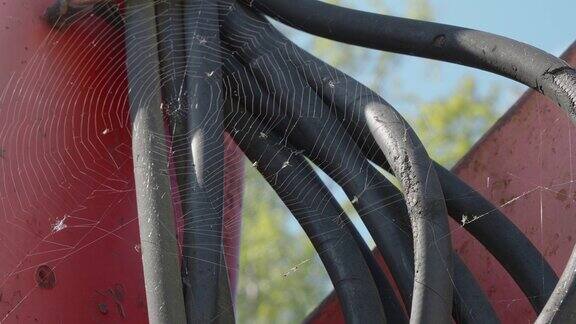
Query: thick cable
(337, 155)
(155, 216)
(310, 125)
(240, 22)
(392, 307)
(202, 249)
(318, 213)
(486, 222)
(497, 54)
(483, 220)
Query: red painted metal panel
(69, 245)
(524, 165)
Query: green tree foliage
(281, 278)
(448, 127)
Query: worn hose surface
(512, 59)
(385, 216)
(485, 222)
(311, 127)
(311, 203)
(516, 253)
(155, 216)
(203, 251)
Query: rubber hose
(319, 215)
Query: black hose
(337, 155)
(155, 217)
(330, 148)
(561, 306)
(171, 50)
(388, 222)
(486, 223)
(516, 253)
(470, 303)
(260, 101)
(202, 250)
(62, 13)
(317, 212)
(515, 60)
(387, 218)
(309, 125)
(432, 300)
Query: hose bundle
(220, 65)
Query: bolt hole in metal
(45, 277)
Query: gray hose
(313, 127)
(155, 216)
(432, 298)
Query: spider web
(67, 194)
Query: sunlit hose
(317, 212)
(330, 148)
(155, 217)
(425, 200)
(110, 12)
(313, 128)
(202, 249)
(461, 199)
(515, 60)
(516, 253)
(386, 218)
(471, 305)
(261, 104)
(481, 218)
